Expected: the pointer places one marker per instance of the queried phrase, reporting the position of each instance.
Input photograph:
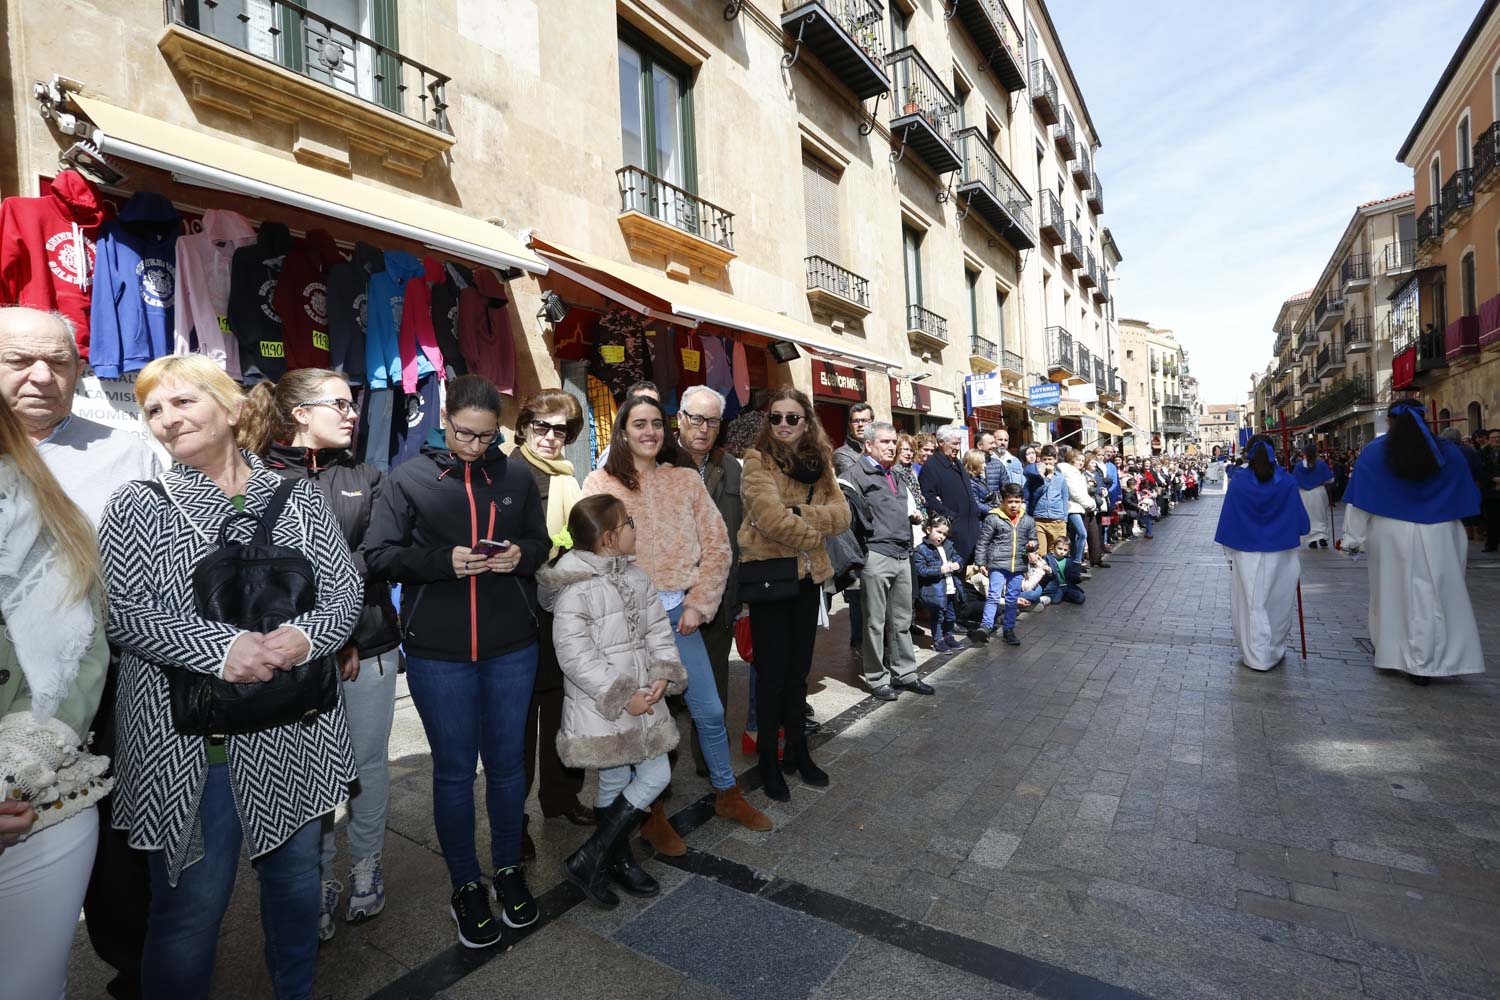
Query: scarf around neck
(563, 492)
(49, 631)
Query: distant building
(1220, 426)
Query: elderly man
(699, 417)
(39, 369)
(945, 485)
(886, 580)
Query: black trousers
(561, 785)
(1491, 512)
(783, 633)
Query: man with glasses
(39, 370)
(845, 457)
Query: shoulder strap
(156, 487)
(277, 503)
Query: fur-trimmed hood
(574, 566)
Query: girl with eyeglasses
(469, 627)
(303, 427)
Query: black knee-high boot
(586, 867)
(620, 864)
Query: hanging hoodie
(348, 292)
(664, 361)
(484, 330)
(418, 341)
(252, 316)
(301, 299)
(383, 325)
(135, 286)
(47, 250)
(718, 374)
(445, 297)
(203, 266)
(693, 365)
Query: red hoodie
(301, 299)
(417, 337)
(47, 250)
(484, 330)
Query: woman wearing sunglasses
(793, 505)
(303, 428)
(469, 627)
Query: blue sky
(1238, 139)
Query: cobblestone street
(1112, 810)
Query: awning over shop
(653, 293)
(1109, 423)
(201, 159)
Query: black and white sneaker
(517, 905)
(470, 907)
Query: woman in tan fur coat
(793, 505)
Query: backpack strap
(277, 503)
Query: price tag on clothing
(692, 360)
(224, 325)
(613, 354)
(320, 340)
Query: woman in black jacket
(303, 428)
(469, 628)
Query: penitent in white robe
(1265, 604)
(1421, 619)
(1315, 501)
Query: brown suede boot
(731, 804)
(658, 832)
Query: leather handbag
(257, 586)
(768, 580)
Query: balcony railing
(1458, 195)
(1432, 350)
(991, 25)
(1357, 334)
(1101, 293)
(1053, 229)
(926, 323)
(1043, 92)
(922, 110)
(1330, 358)
(1072, 250)
(1338, 397)
(830, 277)
(324, 50)
(981, 348)
(1327, 310)
(1398, 256)
(1088, 275)
(1099, 375)
(1060, 350)
(1085, 361)
(1356, 268)
(1487, 157)
(666, 202)
(1064, 135)
(988, 185)
(1082, 168)
(1096, 195)
(848, 35)
(1430, 224)
(1010, 361)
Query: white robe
(1421, 619)
(1315, 501)
(1265, 604)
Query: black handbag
(768, 580)
(257, 586)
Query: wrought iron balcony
(1330, 358)
(986, 349)
(1430, 225)
(1398, 257)
(666, 202)
(986, 184)
(1012, 363)
(1461, 339)
(320, 48)
(1327, 311)
(847, 35)
(1096, 195)
(1101, 293)
(1082, 168)
(1072, 249)
(1432, 351)
(823, 275)
(1085, 362)
(1155, 366)
(926, 325)
(1053, 229)
(1487, 157)
(1458, 196)
(1060, 357)
(1088, 276)
(1100, 375)
(1356, 270)
(922, 111)
(997, 35)
(1357, 335)
(1064, 135)
(1043, 92)
(1307, 343)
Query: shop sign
(1045, 396)
(111, 402)
(1090, 426)
(1069, 407)
(908, 395)
(837, 382)
(984, 390)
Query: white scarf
(50, 633)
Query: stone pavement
(1112, 810)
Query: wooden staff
(1301, 623)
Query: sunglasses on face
(543, 429)
(343, 406)
(792, 419)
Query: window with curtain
(820, 193)
(1465, 145)
(1466, 285)
(1000, 299)
(911, 242)
(971, 279)
(656, 130)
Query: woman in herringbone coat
(192, 801)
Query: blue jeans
(1146, 522)
(944, 616)
(1060, 593)
(1078, 534)
(702, 698)
(472, 710)
(1002, 584)
(182, 933)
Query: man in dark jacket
(945, 485)
(848, 456)
(886, 582)
(1489, 489)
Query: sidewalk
(1111, 810)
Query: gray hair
(874, 427)
(691, 392)
(1453, 434)
(949, 433)
(69, 329)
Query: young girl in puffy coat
(618, 657)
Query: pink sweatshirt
(202, 294)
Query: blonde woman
(53, 663)
(974, 466)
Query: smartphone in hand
(487, 548)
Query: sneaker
(470, 909)
(954, 642)
(1044, 602)
(327, 903)
(939, 646)
(979, 636)
(517, 905)
(366, 890)
(1009, 637)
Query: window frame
(911, 262)
(653, 55)
(1465, 146)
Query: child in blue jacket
(940, 575)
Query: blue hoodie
(135, 279)
(1048, 498)
(383, 322)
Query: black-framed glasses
(629, 522)
(713, 423)
(542, 429)
(465, 435)
(343, 406)
(792, 419)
